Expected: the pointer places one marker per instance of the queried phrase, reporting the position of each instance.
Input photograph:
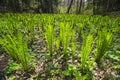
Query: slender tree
(79, 6)
(69, 7)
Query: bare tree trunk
(77, 6)
(108, 2)
(2, 5)
(20, 5)
(41, 5)
(80, 6)
(94, 7)
(51, 6)
(69, 7)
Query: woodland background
(60, 6)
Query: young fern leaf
(86, 49)
(103, 43)
(65, 36)
(17, 48)
(74, 44)
(49, 34)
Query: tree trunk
(51, 6)
(69, 7)
(77, 6)
(94, 7)
(80, 6)
(108, 2)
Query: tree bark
(80, 7)
(51, 6)
(77, 6)
(69, 7)
(94, 7)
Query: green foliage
(74, 41)
(65, 36)
(11, 78)
(70, 70)
(86, 50)
(50, 38)
(74, 71)
(12, 66)
(17, 48)
(70, 39)
(29, 24)
(103, 43)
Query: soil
(4, 59)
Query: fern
(86, 50)
(103, 43)
(49, 34)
